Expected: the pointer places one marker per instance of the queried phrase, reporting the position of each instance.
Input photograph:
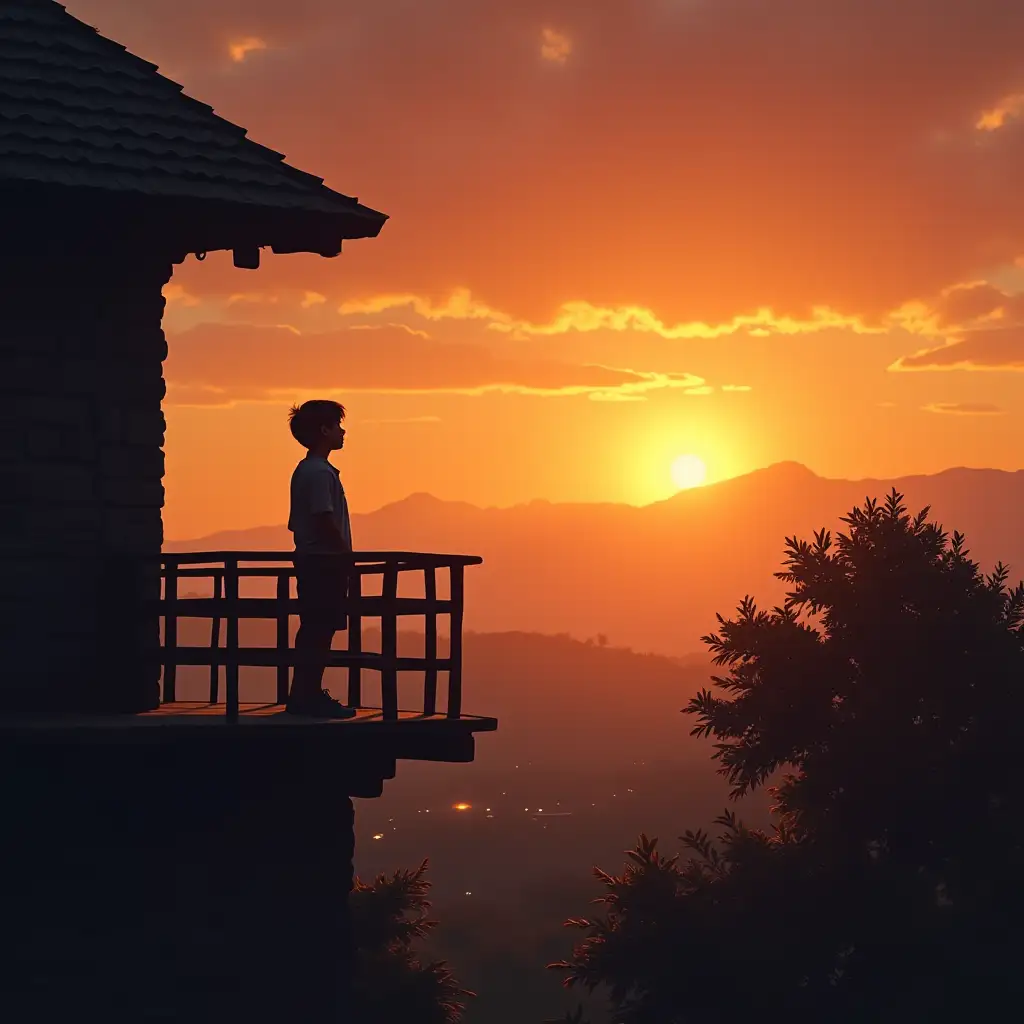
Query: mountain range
(652, 577)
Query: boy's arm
(321, 507)
(328, 531)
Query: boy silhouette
(319, 521)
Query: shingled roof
(78, 111)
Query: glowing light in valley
(689, 471)
(379, 835)
(555, 46)
(462, 807)
(243, 47)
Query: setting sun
(688, 471)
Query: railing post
(389, 641)
(284, 591)
(355, 637)
(218, 593)
(430, 641)
(458, 573)
(231, 652)
(170, 629)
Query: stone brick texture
(81, 470)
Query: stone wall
(81, 464)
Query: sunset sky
(621, 231)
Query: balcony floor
(187, 716)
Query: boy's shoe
(319, 705)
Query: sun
(688, 471)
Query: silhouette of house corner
(175, 868)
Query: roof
(78, 111)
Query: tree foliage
(883, 703)
(389, 914)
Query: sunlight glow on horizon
(689, 471)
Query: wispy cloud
(555, 46)
(239, 49)
(222, 363)
(584, 317)
(1007, 109)
(965, 408)
(402, 420)
(990, 350)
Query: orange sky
(620, 231)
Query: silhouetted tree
(388, 915)
(884, 700)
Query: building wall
(173, 880)
(81, 464)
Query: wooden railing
(227, 569)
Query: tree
(388, 915)
(884, 701)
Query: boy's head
(316, 424)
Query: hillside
(653, 577)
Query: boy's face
(334, 435)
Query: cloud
(965, 306)
(401, 420)
(585, 317)
(965, 408)
(555, 46)
(218, 364)
(979, 350)
(706, 160)
(175, 293)
(241, 48)
(1007, 109)
(460, 305)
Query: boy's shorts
(322, 585)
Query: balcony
(236, 585)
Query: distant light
(427, 811)
(488, 809)
(379, 835)
(462, 807)
(468, 893)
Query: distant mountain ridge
(653, 576)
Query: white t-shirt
(315, 489)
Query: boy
(319, 522)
